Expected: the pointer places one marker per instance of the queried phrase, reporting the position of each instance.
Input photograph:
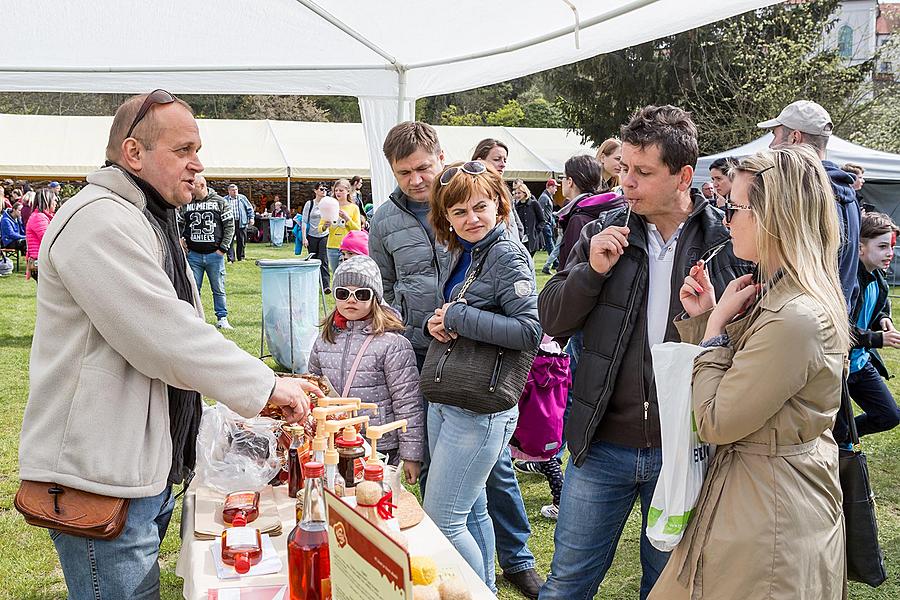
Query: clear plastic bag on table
(234, 453)
(685, 456)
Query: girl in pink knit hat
(356, 242)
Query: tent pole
(401, 93)
(289, 190)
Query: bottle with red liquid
(244, 503)
(309, 568)
(241, 545)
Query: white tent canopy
(387, 53)
(879, 166)
(71, 147)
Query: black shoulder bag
(477, 376)
(865, 560)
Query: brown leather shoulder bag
(71, 511)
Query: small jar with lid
(375, 472)
(349, 447)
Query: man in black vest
(620, 289)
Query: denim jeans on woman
(597, 499)
(125, 567)
(213, 265)
(464, 448)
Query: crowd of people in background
(767, 266)
(26, 214)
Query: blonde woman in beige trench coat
(768, 523)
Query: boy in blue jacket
(873, 328)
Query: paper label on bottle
(241, 536)
(239, 500)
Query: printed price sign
(365, 562)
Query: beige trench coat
(768, 522)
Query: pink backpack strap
(359, 355)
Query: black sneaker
(528, 582)
(327, 291)
(545, 270)
(527, 466)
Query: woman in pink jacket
(44, 207)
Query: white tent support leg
(289, 191)
(379, 115)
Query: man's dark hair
(584, 170)
(355, 179)
(407, 137)
(669, 128)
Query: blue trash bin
(291, 289)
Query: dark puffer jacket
(501, 304)
(614, 395)
(848, 214)
(411, 266)
(387, 375)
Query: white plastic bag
(684, 456)
(234, 453)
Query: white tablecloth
(195, 562)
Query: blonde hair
(791, 198)
(524, 189)
(383, 319)
(460, 188)
(343, 183)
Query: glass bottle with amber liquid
(241, 545)
(295, 452)
(309, 569)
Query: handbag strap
(475, 272)
(848, 411)
(359, 355)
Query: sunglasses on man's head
(153, 98)
(731, 208)
(473, 167)
(361, 294)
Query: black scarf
(185, 407)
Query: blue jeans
(547, 232)
(214, 266)
(125, 567)
(507, 511)
(334, 258)
(596, 501)
(464, 447)
(553, 258)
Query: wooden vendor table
(195, 562)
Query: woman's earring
(451, 228)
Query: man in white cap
(806, 122)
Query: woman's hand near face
(697, 294)
(738, 297)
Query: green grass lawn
(28, 562)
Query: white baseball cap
(803, 115)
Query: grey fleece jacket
(387, 376)
(411, 265)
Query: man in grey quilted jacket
(400, 237)
(401, 242)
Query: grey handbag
(477, 376)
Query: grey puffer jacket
(411, 265)
(501, 304)
(387, 376)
